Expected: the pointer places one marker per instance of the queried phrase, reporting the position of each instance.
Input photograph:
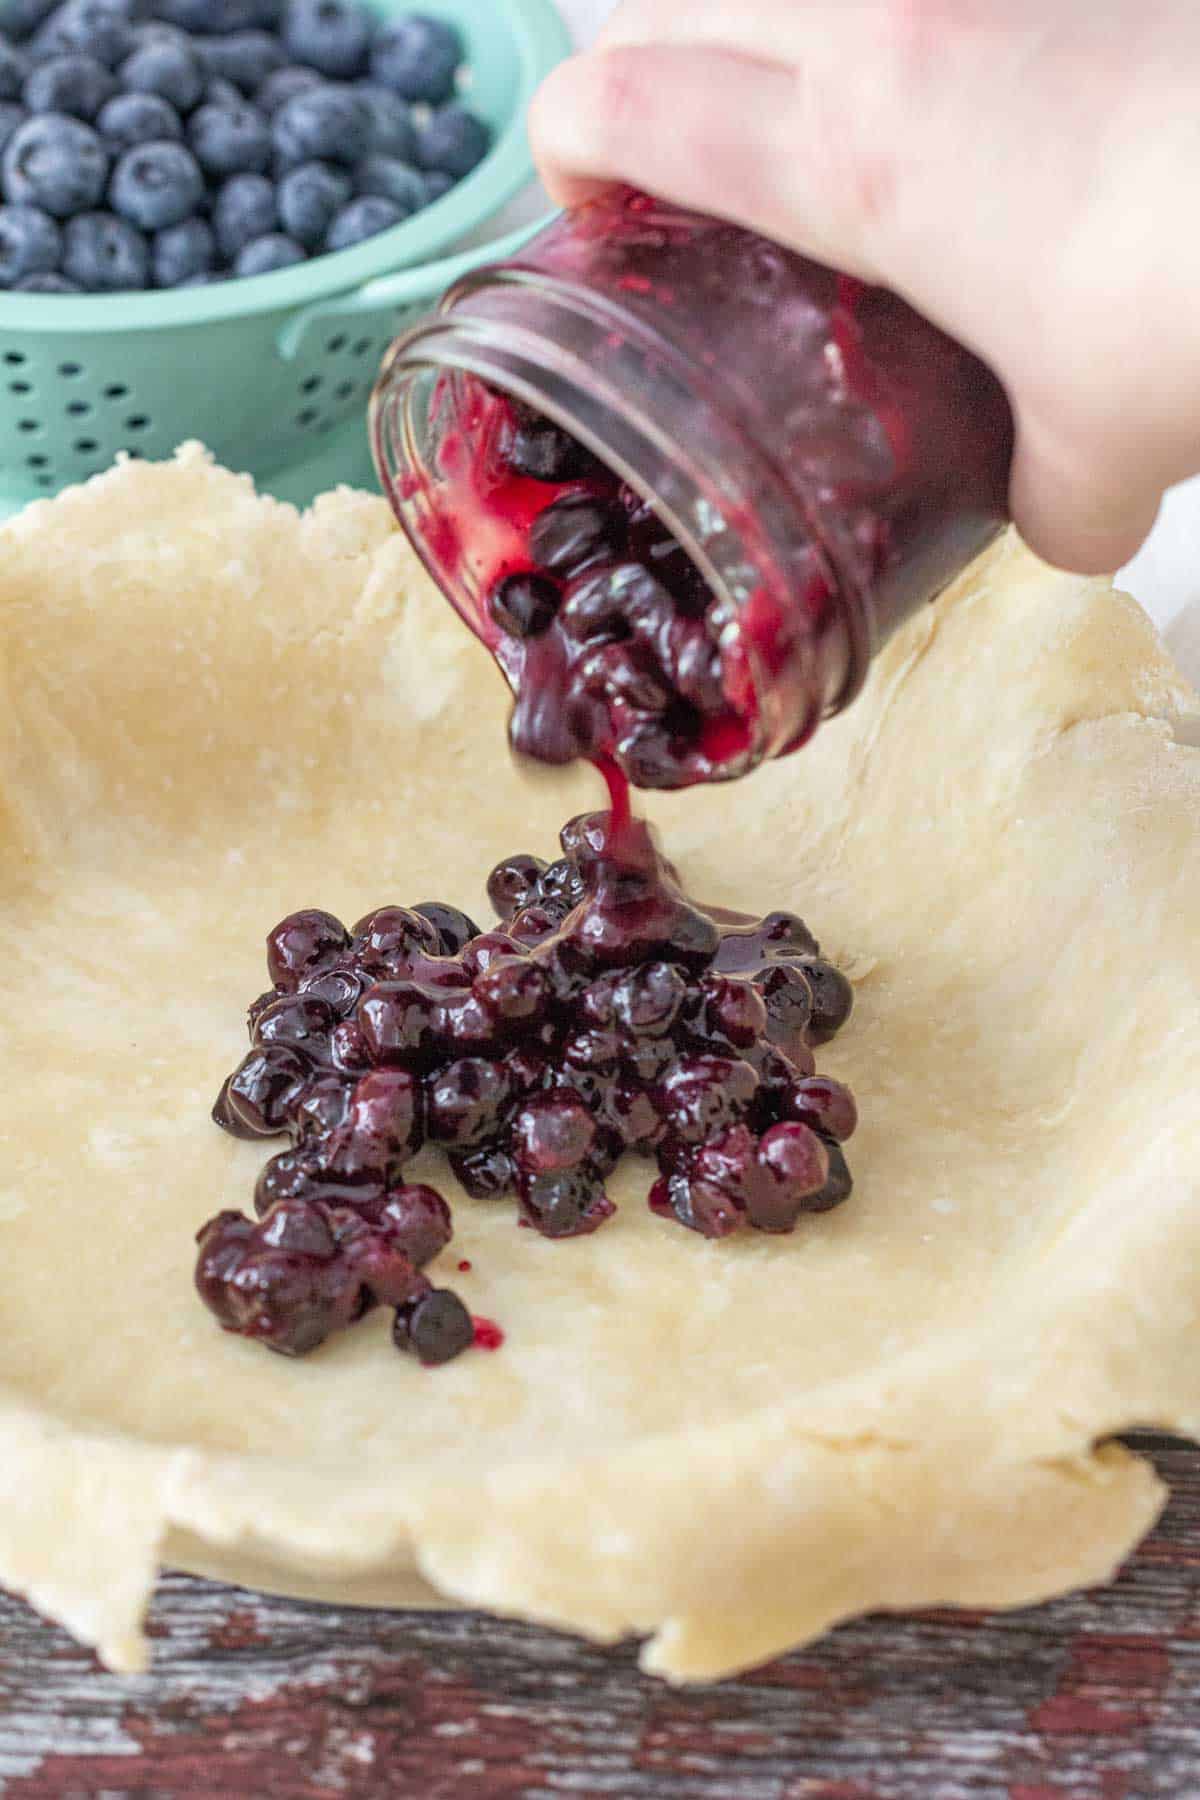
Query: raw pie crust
(215, 711)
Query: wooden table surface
(1096, 1697)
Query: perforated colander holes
(325, 397)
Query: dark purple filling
(606, 1013)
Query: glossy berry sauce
(604, 628)
(604, 1013)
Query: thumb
(1073, 511)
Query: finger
(1074, 514)
(723, 134)
(760, 31)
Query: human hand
(1025, 176)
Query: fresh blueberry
(12, 117)
(437, 185)
(172, 70)
(246, 58)
(333, 36)
(30, 243)
(129, 119)
(392, 180)
(13, 70)
(362, 219)
(19, 19)
(97, 28)
(69, 84)
(283, 86)
(155, 185)
(310, 198)
(104, 254)
(245, 208)
(219, 92)
(328, 124)
(417, 58)
(183, 251)
(230, 140)
(392, 130)
(56, 163)
(46, 283)
(206, 280)
(208, 18)
(267, 254)
(453, 141)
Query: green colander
(272, 373)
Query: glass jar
(827, 458)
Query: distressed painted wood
(1094, 1698)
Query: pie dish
(217, 711)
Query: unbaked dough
(215, 711)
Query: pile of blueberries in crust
(173, 143)
(606, 1013)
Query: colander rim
(541, 38)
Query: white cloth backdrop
(1165, 578)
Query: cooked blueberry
(245, 209)
(310, 196)
(400, 1021)
(104, 254)
(303, 942)
(300, 1020)
(324, 124)
(362, 219)
(566, 1203)
(488, 948)
(455, 930)
(465, 1102)
(262, 1085)
(267, 255)
(524, 605)
(574, 531)
(735, 1012)
(838, 1186)
(56, 163)
(825, 1105)
(541, 450)
(172, 70)
(388, 178)
(303, 1272)
(392, 130)
(182, 251)
(485, 1173)
(789, 1002)
(30, 243)
(832, 996)
(155, 185)
(647, 1001)
(453, 141)
(383, 1128)
(283, 86)
(420, 1219)
(793, 1167)
(348, 1047)
(340, 986)
(700, 1096)
(245, 59)
(389, 939)
(230, 140)
(129, 119)
(417, 58)
(320, 1105)
(551, 1132)
(436, 1327)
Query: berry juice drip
(604, 1013)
